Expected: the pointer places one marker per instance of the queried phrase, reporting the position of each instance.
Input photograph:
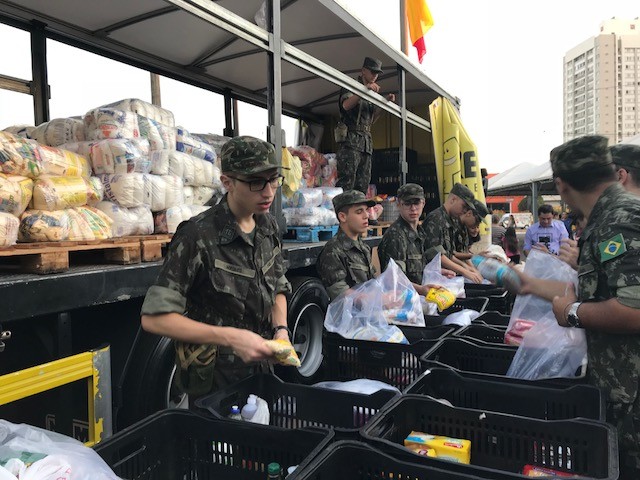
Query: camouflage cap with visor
(351, 197)
(626, 155)
(464, 193)
(480, 210)
(410, 191)
(248, 155)
(580, 155)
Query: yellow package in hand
(284, 352)
(446, 448)
(442, 297)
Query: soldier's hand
(447, 273)
(561, 304)
(281, 334)
(249, 346)
(373, 86)
(391, 97)
(569, 252)
(475, 277)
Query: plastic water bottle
(249, 410)
(235, 413)
(274, 472)
(497, 272)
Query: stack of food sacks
(63, 191)
(311, 207)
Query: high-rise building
(602, 83)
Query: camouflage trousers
(354, 169)
(626, 419)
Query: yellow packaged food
(442, 297)
(446, 448)
(284, 352)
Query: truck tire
(149, 386)
(307, 306)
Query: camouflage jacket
(216, 274)
(461, 241)
(343, 263)
(440, 229)
(407, 247)
(614, 359)
(358, 120)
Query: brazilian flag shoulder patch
(612, 248)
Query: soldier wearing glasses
(221, 290)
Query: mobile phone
(546, 239)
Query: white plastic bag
(357, 314)
(400, 301)
(85, 463)
(462, 318)
(547, 349)
(361, 385)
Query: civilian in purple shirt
(546, 233)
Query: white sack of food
(57, 193)
(19, 156)
(193, 170)
(43, 226)
(145, 109)
(188, 144)
(120, 156)
(88, 223)
(198, 195)
(8, 229)
(56, 161)
(104, 123)
(303, 197)
(327, 196)
(309, 216)
(166, 192)
(160, 136)
(15, 194)
(130, 190)
(168, 220)
(128, 221)
(59, 131)
(23, 131)
(215, 141)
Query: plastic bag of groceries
(400, 301)
(431, 276)
(357, 314)
(546, 349)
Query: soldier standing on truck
(221, 290)
(353, 133)
(607, 303)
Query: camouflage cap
(464, 193)
(480, 210)
(626, 155)
(410, 191)
(580, 155)
(351, 197)
(247, 155)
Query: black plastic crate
(482, 334)
(393, 363)
(492, 318)
(501, 444)
(507, 395)
(176, 444)
(359, 461)
(296, 406)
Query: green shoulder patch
(612, 248)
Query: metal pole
(402, 97)
(534, 198)
(229, 130)
(39, 84)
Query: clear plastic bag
(547, 349)
(357, 314)
(360, 385)
(432, 276)
(400, 301)
(19, 439)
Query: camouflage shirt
(216, 274)
(440, 229)
(461, 241)
(407, 247)
(343, 263)
(614, 359)
(358, 120)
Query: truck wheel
(307, 306)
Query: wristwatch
(281, 327)
(572, 317)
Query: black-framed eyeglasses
(259, 184)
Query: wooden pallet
(377, 230)
(53, 257)
(310, 234)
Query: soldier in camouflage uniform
(626, 159)
(470, 219)
(221, 290)
(345, 260)
(607, 304)
(404, 240)
(354, 153)
(441, 227)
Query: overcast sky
(502, 58)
